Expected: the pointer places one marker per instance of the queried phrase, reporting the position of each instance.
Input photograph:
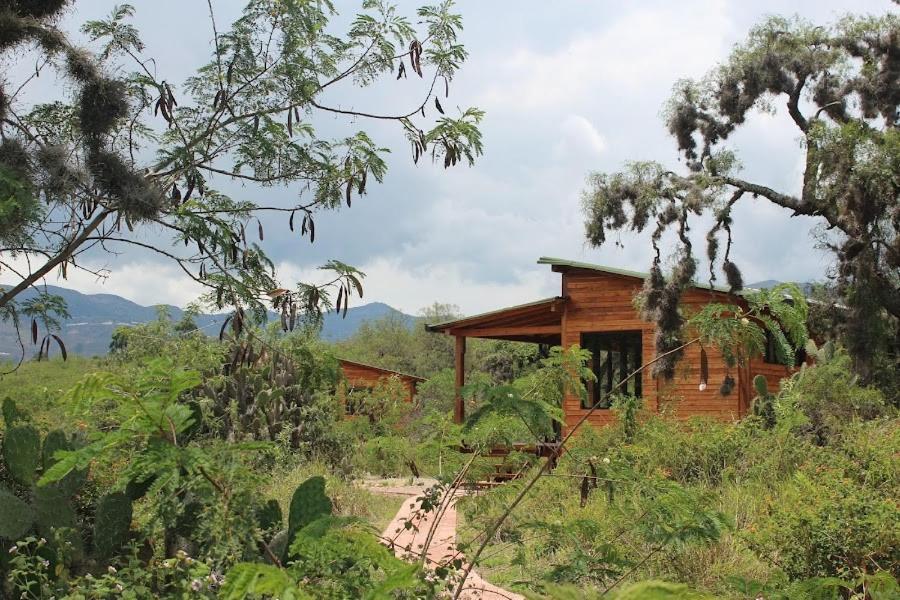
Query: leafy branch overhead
(139, 151)
(839, 86)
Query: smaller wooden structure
(360, 375)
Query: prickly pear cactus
(52, 510)
(308, 504)
(22, 453)
(11, 414)
(45, 510)
(761, 385)
(112, 524)
(764, 403)
(269, 516)
(16, 516)
(55, 441)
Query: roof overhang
(387, 372)
(538, 322)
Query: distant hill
(770, 283)
(95, 317)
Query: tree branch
(63, 255)
(793, 105)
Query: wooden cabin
(359, 375)
(595, 310)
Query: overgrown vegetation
(736, 510)
(186, 466)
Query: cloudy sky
(569, 87)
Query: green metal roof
(562, 262)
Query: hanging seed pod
(704, 369)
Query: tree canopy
(841, 86)
(132, 150)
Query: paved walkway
(409, 542)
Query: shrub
(827, 396)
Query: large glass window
(614, 357)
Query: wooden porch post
(459, 408)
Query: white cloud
(647, 46)
(579, 140)
(146, 283)
(410, 290)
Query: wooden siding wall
(598, 302)
(773, 373)
(361, 376)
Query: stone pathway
(443, 544)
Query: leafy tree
(840, 84)
(76, 173)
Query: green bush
(828, 396)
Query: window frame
(632, 340)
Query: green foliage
(821, 401)
(252, 580)
(41, 387)
(715, 506)
(781, 312)
(827, 523)
(283, 395)
(262, 90)
(645, 590)
(535, 401)
(331, 557)
(11, 413)
(386, 404)
(627, 408)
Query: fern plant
(534, 401)
(741, 333)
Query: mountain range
(94, 317)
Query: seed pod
(704, 368)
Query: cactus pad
(52, 510)
(16, 517)
(761, 385)
(22, 453)
(269, 516)
(11, 413)
(56, 440)
(112, 523)
(308, 504)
